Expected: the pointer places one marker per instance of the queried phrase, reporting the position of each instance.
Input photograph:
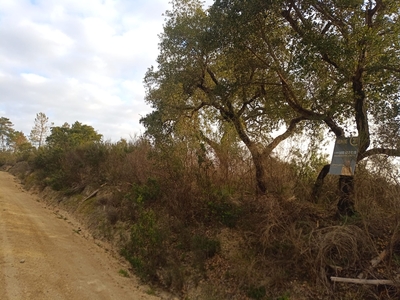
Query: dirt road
(43, 256)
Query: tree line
(43, 133)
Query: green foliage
(123, 273)
(72, 152)
(263, 66)
(257, 293)
(205, 247)
(144, 250)
(150, 191)
(56, 180)
(6, 131)
(284, 297)
(221, 208)
(68, 136)
(18, 143)
(7, 158)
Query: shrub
(144, 250)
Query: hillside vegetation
(203, 232)
(227, 194)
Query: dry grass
(220, 239)
(341, 251)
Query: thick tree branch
(246, 103)
(326, 28)
(371, 12)
(283, 136)
(292, 22)
(375, 151)
(294, 104)
(337, 130)
(340, 25)
(360, 105)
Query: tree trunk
(346, 192)
(346, 196)
(319, 182)
(260, 172)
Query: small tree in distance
(6, 131)
(19, 142)
(40, 130)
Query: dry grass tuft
(341, 250)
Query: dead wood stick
(379, 258)
(91, 195)
(363, 281)
(374, 262)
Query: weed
(112, 215)
(283, 297)
(151, 292)
(256, 292)
(123, 273)
(396, 259)
(221, 207)
(204, 248)
(227, 213)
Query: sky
(78, 60)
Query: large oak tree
(200, 79)
(261, 65)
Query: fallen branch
(92, 194)
(374, 262)
(363, 281)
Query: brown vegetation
(204, 233)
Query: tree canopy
(40, 130)
(266, 65)
(6, 131)
(73, 135)
(337, 61)
(19, 142)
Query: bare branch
(364, 281)
(285, 135)
(326, 28)
(337, 130)
(251, 100)
(376, 151)
(372, 12)
(340, 25)
(212, 75)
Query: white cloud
(78, 60)
(33, 78)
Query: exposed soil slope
(44, 257)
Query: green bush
(205, 247)
(7, 158)
(149, 191)
(221, 208)
(144, 250)
(256, 292)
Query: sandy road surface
(41, 257)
